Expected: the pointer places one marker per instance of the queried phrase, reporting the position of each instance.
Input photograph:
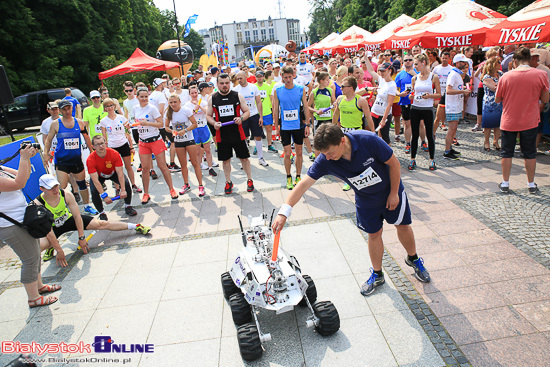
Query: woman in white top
(13, 204)
(423, 95)
(115, 129)
(150, 142)
(386, 91)
(180, 122)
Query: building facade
(242, 36)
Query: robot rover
(265, 276)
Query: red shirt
(105, 167)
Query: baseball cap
(259, 72)
(93, 94)
(157, 82)
(396, 65)
(385, 66)
(202, 80)
(52, 104)
(47, 181)
(210, 84)
(203, 85)
(459, 57)
(65, 102)
(276, 65)
(535, 52)
(197, 72)
(319, 61)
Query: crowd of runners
(401, 96)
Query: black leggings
(418, 115)
(96, 199)
(385, 131)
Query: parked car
(29, 110)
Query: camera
(24, 144)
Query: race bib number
(326, 114)
(263, 94)
(73, 143)
(290, 115)
(348, 129)
(98, 129)
(59, 221)
(378, 102)
(369, 177)
(142, 129)
(226, 110)
(201, 122)
(251, 104)
(419, 95)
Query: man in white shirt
(304, 68)
(442, 71)
(277, 77)
(129, 104)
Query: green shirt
(93, 116)
(61, 212)
(351, 115)
(322, 101)
(265, 93)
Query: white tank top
(12, 203)
(422, 87)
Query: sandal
(496, 146)
(42, 301)
(145, 199)
(487, 149)
(47, 288)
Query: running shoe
(130, 211)
(145, 199)
(249, 185)
(296, 180)
(139, 168)
(397, 138)
(255, 152)
(201, 191)
(408, 148)
(420, 271)
(346, 187)
(444, 127)
(425, 146)
(154, 175)
(477, 128)
(204, 165)
(289, 184)
(174, 167)
(215, 164)
(451, 156)
(103, 216)
(77, 197)
(263, 162)
(374, 281)
(412, 165)
(212, 173)
(48, 254)
(504, 189)
(392, 125)
(271, 148)
(533, 190)
(455, 152)
(228, 188)
(89, 210)
(185, 189)
(312, 156)
(455, 142)
(136, 189)
(432, 166)
(140, 228)
(173, 194)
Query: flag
(191, 20)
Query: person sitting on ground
(67, 218)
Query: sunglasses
(128, 90)
(407, 60)
(105, 93)
(94, 97)
(176, 83)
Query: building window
(239, 37)
(255, 33)
(270, 23)
(245, 25)
(254, 25)
(247, 36)
(264, 37)
(271, 34)
(238, 26)
(262, 24)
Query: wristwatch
(81, 238)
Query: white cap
(157, 82)
(459, 57)
(369, 53)
(276, 65)
(47, 181)
(94, 93)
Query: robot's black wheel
(240, 309)
(229, 287)
(249, 342)
(329, 321)
(311, 292)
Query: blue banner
(37, 167)
(191, 20)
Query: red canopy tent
(138, 62)
(455, 23)
(380, 36)
(529, 25)
(349, 41)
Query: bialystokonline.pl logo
(101, 344)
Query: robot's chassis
(264, 276)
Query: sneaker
(136, 189)
(432, 166)
(215, 164)
(533, 190)
(374, 281)
(312, 157)
(455, 142)
(346, 187)
(154, 175)
(249, 185)
(425, 146)
(174, 167)
(204, 165)
(392, 125)
(103, 216)
(451, 155)
(130, 211)
(477, 128)
(185, 189)
(401, 131)
(504, 189)
(255, 152)
(412, 165)
(408, 148)
(228, 188)
(289, 184)
(140, 228)
(444, 128)
(397, 138)
(263, 162)
(420, 271)
(145, 199)
(48, 254)
(173, 194)
(89, 210)
(201, 191)
(272, 149)
(296, 180)
(77, 197)
(455, 152)
(212, 173)
(139, 168)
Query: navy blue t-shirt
(366, 173)
(74, 101)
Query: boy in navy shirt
(368, 165)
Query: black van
(29, 110)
